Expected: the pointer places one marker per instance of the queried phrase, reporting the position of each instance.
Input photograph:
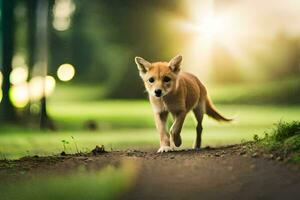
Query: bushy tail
(212, 111)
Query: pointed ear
(142, 64)
(175, 63)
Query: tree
(31, 32)
(42, 56)
(137, 21)
(7, 110)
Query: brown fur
(183, 93)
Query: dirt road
(222, 173)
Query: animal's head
(160, 78)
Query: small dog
(171, 90)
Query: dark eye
(151, 80)
(167, 79)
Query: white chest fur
(158, 106)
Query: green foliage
(292, 143)
(75, 144)
(286, 130)
(284, 137)
(65, 143)
(256, 138)
(294, 159)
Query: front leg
(161, 121)
(176, 128)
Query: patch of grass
(109, 183)
(14, 145)
(292, 143)
(286, 130)
(294, 159)
(283, 139)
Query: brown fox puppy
(175, 92)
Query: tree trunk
(31, 33)
(7, 110)
(42, 56)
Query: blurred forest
(99, 39)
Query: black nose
(157, 92)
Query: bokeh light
(62, 12)
(37, 86)
(65, 72)
(207, 28)
(18, 75)
(19, 95)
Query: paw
(197, 148)
(172, 145)
(164, 149)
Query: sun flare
(207, 29)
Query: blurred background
(68, 71)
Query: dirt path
(223, 173)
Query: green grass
(125, 124)
(283, 140)
(18, 144)
(284, 137)
(108, 183)
(294, 159)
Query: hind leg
(198, 112)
